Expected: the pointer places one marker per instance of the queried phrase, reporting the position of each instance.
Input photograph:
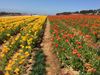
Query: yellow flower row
(5, 46)
(26, 41)
(8, 20)
(9, 44)
(13, 25)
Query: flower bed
(76, 41)
(16, 50)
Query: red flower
(75, 51)
(79, 55)
(87, 36)
(80, 33)
(94, 33)
(77, 42)
(71, 35)
(80, 47)
(67, 40)
(56, 45)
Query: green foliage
(39, 66)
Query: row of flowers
(13, 27)
(10, 46)
(76, 42)
(15, 54)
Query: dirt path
(52, 67)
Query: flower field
(76, 42)
(39, 45)
(18, 37)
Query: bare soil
(52, 63)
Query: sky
(48, 6)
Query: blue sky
(48, 6)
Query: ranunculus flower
(94, 33)
(77, 42)
(56, 45)
(79, 55)
(75, 51)
(67, 40)
(80, 47)
(87, 36)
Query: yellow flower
(5, 49)
(7, 73)
(12, 43)
(2, 55)
(13, 62)
(26, 54)
(22, 61)
(24, 38)
(22, 46)
(8, 34)
(29, 41)
(8, 68)
(29, 47)
(20, 51)
(10, 61)
(22, 57)
(16, 70)
(16, 38)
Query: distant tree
(77, 12)
(9, 13)
(64, 13)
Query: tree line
(9, 13)
(91, 12)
